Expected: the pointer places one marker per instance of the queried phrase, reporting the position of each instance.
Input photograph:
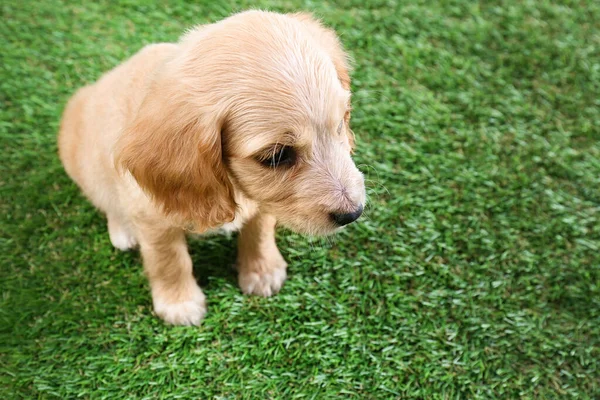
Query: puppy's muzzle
(345, 218)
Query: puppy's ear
(173, 150)
(329, 40)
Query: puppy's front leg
(176, 296)
(260, 264)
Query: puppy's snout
(345, 218)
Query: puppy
(242, 124)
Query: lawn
(474, 274)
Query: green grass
(475, 274)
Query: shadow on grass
(213, 257)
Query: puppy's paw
(262, 283)
(120, 237)
(189, 311)
(122, 241)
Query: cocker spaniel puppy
(242, 124)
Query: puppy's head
(258, 104)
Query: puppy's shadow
(213, 257)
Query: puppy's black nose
(345, 219)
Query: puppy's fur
(179, 138)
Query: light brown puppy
(243, 124)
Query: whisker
(379, 184)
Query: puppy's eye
(340, 126)
(278, 157)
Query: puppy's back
(95, 116)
